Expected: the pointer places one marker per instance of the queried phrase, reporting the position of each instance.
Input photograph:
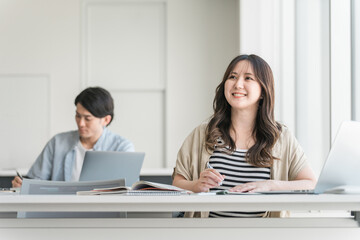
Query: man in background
(63, 155)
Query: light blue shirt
(56, 160)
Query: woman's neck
(242, 126)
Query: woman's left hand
(260, 186)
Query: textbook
(138, 188)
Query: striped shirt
(237, 171)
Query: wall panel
(123, 56)
(25, 119)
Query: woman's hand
(260, 186)
(209, 178)
(304, 180)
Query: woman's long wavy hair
(266, 130)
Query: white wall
(160, 59)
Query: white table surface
(177, 228)
(10, 203)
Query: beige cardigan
(193, 156)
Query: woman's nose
(239, 83)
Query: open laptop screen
(343, 162)
(99, 165)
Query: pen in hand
(19, 175)
(211, 167)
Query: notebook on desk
(100, 165)
(341, 170)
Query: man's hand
(17, 182)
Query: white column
(340, 66)
(355, 7)
(287, 95)
(312, 80)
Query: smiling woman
(248, 151)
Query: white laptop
(100, 165)
(341, 171)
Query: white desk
(296, 228)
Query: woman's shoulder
(196, 135)
(284, 130)
(200, 129)
(286, 137)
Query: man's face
(89, 126)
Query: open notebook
(138, 188)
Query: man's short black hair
(97, 101)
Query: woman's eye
(249, 78)
(232, 77)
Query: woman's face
(242, 89)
